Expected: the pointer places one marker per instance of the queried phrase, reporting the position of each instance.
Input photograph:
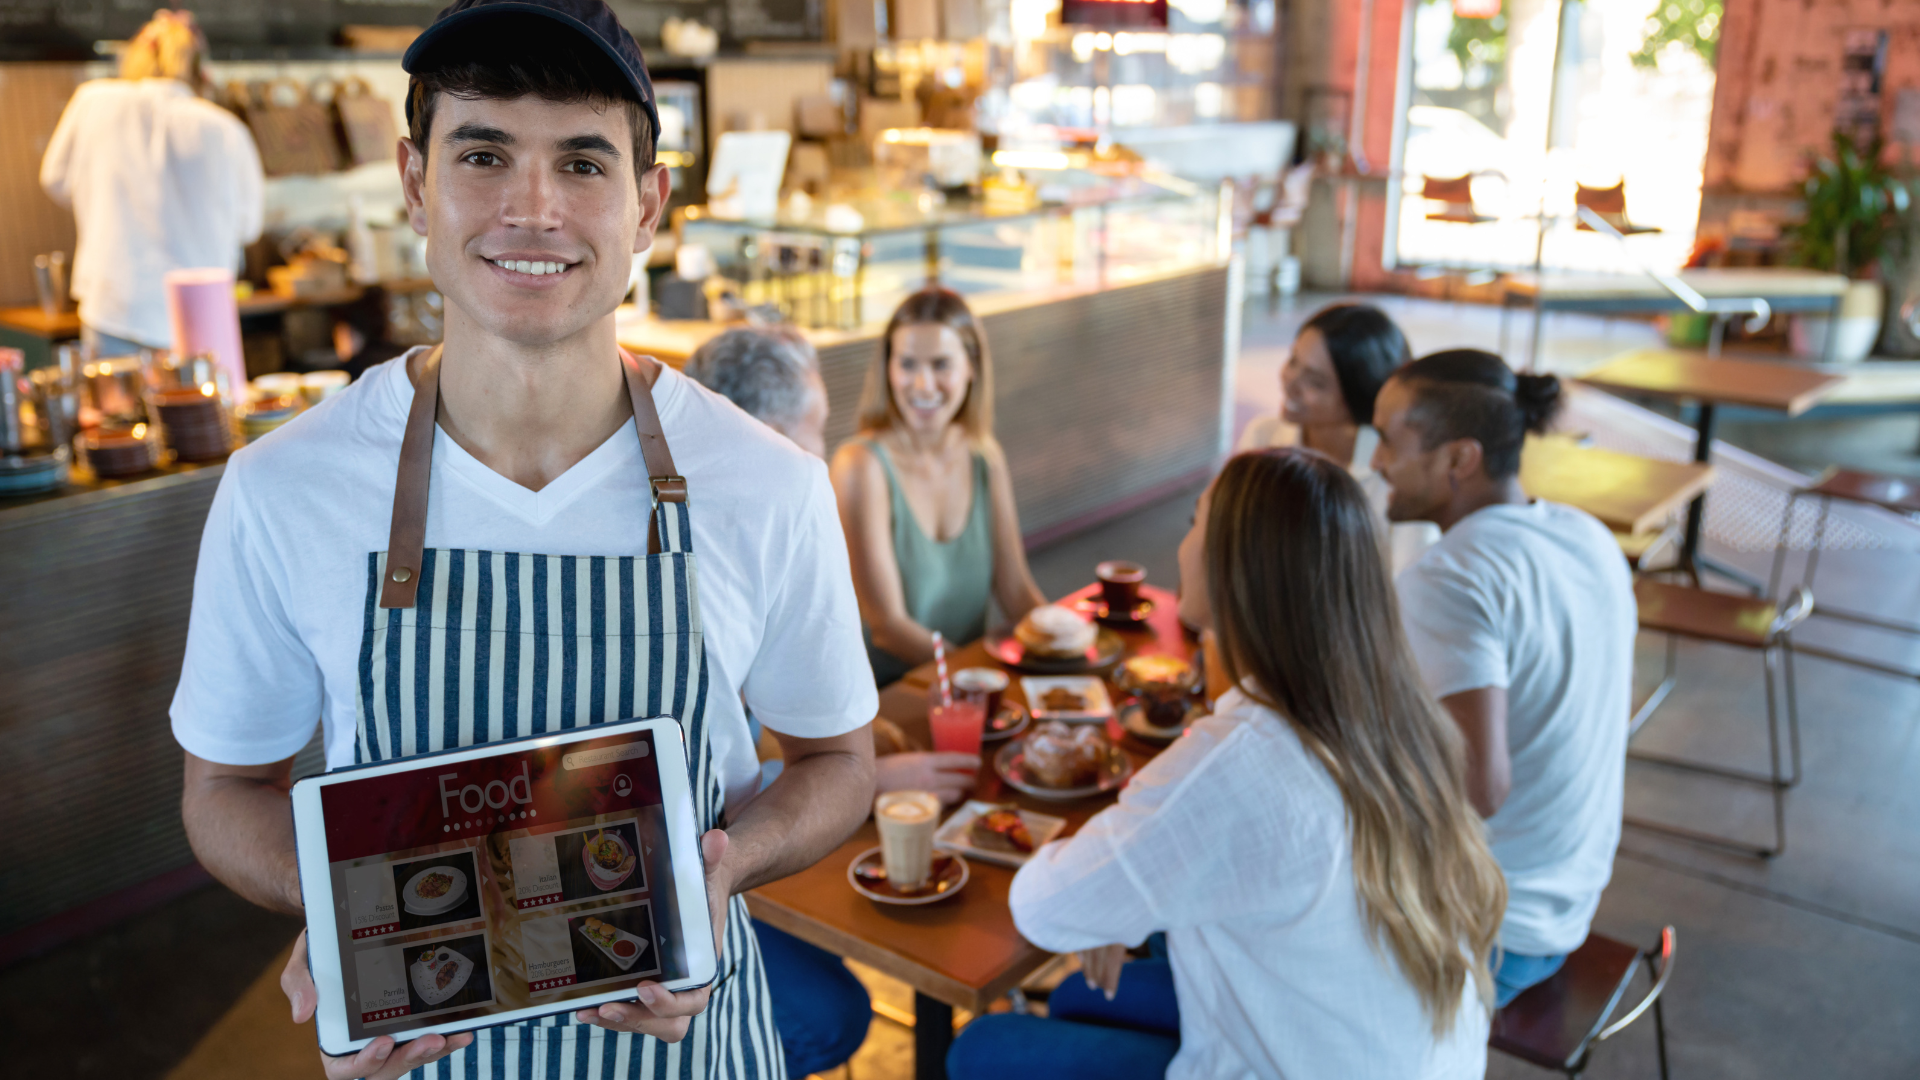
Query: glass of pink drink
(957, 727)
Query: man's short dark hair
(527, 56)
(1472, 394)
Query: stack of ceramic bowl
(117, 452)
(194, 423)
(317, 386)
(266, 414)
(31, 472)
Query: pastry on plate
(1054, 631)
(1001, 829)
(1060, 755)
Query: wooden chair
(1455, 196)
(1611, 204)
(1890, 493)
(1684, 611)
(1557, 1023)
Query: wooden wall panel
(31, 98)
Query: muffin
(1054, 631)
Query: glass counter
(848, 264)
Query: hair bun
(1539, 399)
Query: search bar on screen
(606, 755)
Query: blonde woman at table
(1341, 357)
(1326, 890)
(925, 496)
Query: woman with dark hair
(1341, 358)
(925, 495)
(1326, 891)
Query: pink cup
(957, 727)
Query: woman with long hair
(925, 496)
(1327, 894)
(1341, 357)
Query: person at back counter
(925, 496)
(157, 178)
(1522, 619)
(1341, 357)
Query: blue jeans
(1513, 973)
(821, 1010)
(1084, 1037)
(103, 344)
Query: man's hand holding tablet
(507, 881)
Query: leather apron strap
(407, 539)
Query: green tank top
(947, 585)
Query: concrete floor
(1807, 965)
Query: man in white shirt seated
(1522, 620)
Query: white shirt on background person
(1234, 841)
(158, 179)
(280, 595)
(1536, 599)
(1406, 540)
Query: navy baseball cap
(591, 19)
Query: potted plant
(1851, 206)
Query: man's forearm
(241, 830)
(814, 805)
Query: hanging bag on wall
(367, 126)
(294, 133)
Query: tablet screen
(484, 886)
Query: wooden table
(1785, 289)
(31, 320)
(963, 952)
(1682, 376)
(1628, 493)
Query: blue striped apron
(463, 647)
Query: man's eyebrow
(598, 144)
(477, 132)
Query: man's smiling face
(532, 211)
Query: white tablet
(501, 882)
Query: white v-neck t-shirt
(279, 599)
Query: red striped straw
(940, 667)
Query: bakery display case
(846, 264)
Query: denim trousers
(1514, 972)
(1084, 1036)
(821, 1010)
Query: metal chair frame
(1827, 611)
(1778, 643)
(1659, 964)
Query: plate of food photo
(438, 973)
(622, 948)
(998, 832)
(434, 890)
(609, 860)
(1071, 698)
(1058, 762)
(1055, 638)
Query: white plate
(618, 935)
(602, 879)
(1099, 706)
(424, 977)
(1009, 763)
(955, 835)
(447, 901)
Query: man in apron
(526, 530)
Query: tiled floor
(1804, 966)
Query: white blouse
(1234, 841)
(1406, 540)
